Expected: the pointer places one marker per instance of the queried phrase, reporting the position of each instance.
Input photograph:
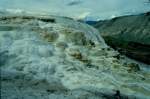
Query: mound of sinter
(54, 57)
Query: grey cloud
(74, 2)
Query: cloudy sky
(91, 9)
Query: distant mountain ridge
(129, 34)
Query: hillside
(129, 34)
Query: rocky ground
(51, 57)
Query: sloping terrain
(50, 57)
(129, 34)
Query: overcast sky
(93, 9)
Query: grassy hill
(128, 34)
